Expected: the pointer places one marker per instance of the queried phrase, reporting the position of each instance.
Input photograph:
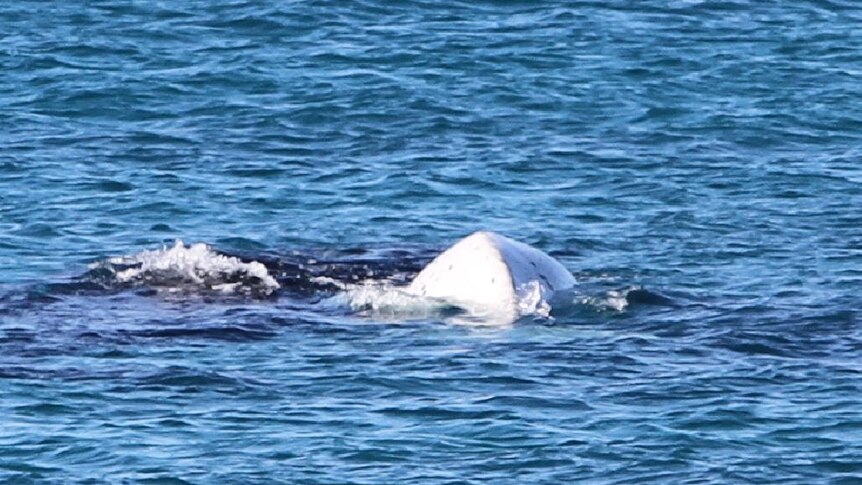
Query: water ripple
(694, 163)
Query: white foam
(384, 300)
(197, 265)
(616, 300)
(533, 299)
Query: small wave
(620, 300)
(182, 268)
(236, 333)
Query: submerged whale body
(489, 278)
(489, 274)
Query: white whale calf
(489, 274)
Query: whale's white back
(485, 272)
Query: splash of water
(182, 267)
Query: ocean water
(207, 210)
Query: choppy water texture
(696, 164)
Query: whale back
(485, 272)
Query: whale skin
(487, 273)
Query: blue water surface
(695, 164)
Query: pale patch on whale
(493, 277)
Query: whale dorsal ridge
(485, 271)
